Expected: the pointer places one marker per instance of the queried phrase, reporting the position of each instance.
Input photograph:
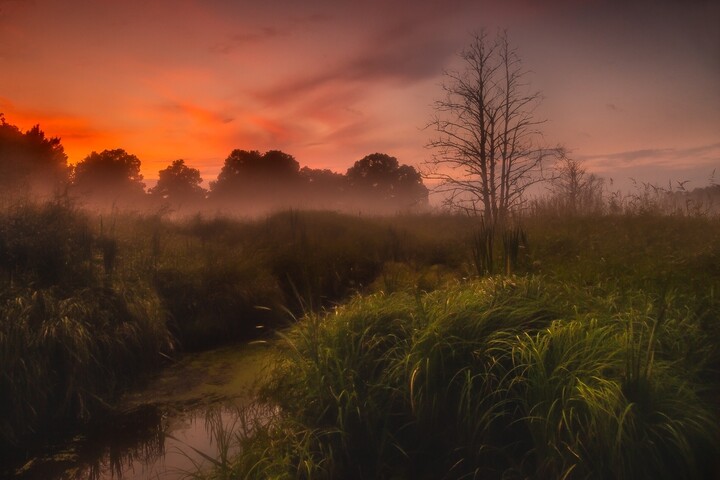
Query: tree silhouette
(323, 179)
(233, 174)
(30, 163)
(109, 176)
(380, 180)
(323, 188)
(374, 172)
(486, 151)
(179, 185)
(260, 178)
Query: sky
(631, 88)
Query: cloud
(198, 114)
(406, 50)
(260, 35)
(329, 104)
(671, 158)
(311, 19)
(239, 40)
(273, 132)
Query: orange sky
(632, 88)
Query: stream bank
(177, 422)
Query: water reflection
(150, 444)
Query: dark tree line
(32, 165)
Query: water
(187, 418)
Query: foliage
(379, 179)
(71, 333)
(252, 177)
(30, 163)
(649, 252)
(108, 177)
(218, 297)
(376, 183)
(50, 245)
(502, 378)
(211, 280)
(179, 185)
(64, 356)
(33, 166)
(221, 278)
(574, 190)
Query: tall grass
(63, 357)
(496, 377)
(47, 245)
(499, 378)
(72, 332)
(653, 253)
(214, 273)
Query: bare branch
(486, 132)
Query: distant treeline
(33, 165)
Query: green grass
(91, 302)
(499, 378)
(73, 334)
(601, 352)
(63, 357)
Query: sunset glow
(632, 90)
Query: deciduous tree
(487, 149)
(30, 162)
(575, 190)
(108, 177)
(179, 184)
(379, 179)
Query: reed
(499, 378)
(65, 357)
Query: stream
(184, 419)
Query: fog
(250, 183)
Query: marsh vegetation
(416, 346)
(572, 335)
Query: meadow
(412, 346)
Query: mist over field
(330, 240)
(372, 321)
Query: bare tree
(486, 151)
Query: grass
(600, 352)
(72, 333)
(91, 302)
(498, 378)
(64, 356)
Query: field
(414, 346)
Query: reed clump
(63, 357)
(498, 378)
(72, 334)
